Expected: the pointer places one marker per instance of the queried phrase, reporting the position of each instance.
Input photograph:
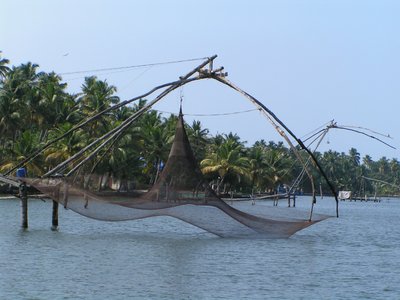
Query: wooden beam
(9, 181)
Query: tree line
(35, 107)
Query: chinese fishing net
(179, 192)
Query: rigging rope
(210, 115)
(317, 130)
(368, 135)
(370, 130)
(134, 66)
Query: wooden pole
(320, 190)
(54, 219)
(24, 204)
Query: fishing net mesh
(179, 192)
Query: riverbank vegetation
(35, 107)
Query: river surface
(356, 256)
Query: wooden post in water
(24, 204)
(320, 190)
(54, 219)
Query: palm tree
(330, 161)
(21, 85)
(278, 166)
(66, 147)
(227, 160)
(3, 66)
(27, 91)
(198, 139)
(55, 104)
(122, 162)
(12, 107)
(352, 170)
(97, 96)
(383, 166)
(395, 170)
(25, 146)
(156, 139)
(368, 162)
(354, 156)
(258, 167)
(10, 115)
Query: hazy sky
(308, 61)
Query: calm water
(354, 257)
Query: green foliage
(35, 108)
(227, 162)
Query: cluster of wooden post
(292, 196)
(23, 195)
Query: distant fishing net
(180, 192)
